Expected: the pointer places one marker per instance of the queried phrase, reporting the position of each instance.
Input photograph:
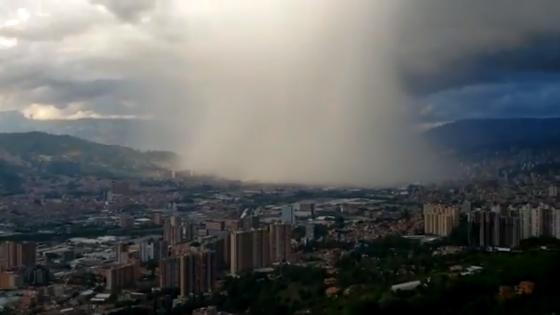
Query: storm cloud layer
(304, 91)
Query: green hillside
(35, 153)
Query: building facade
(17, 255)
(440, 220)
(121, 277)
(198, 273)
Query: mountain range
(143, 134)
(40, 154)
(43, 154)
(462, 137)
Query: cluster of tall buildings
(176, 230)
(193, 273)
(259, 248)
(16, 260)
(194, 270)
(440, 219)
(153, 250)
(493, 229)
(15, 255)
(539, 221)
(124, 273)
(506, 228)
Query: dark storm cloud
(516, 83)
(435, 34)
(539, 55)
(29, 81)
(522, 95)
(480, 58)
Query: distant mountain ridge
(41, 154)
(143, 134)
(474, 135)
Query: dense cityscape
(180, 243)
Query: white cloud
(71, 112)
(8, 42)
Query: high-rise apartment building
(121, 254)
(221, 246)
(227, 251)
(169, 271)
(175, 230)
(172, 230)
(509, 231)
(537, 222)
(280, 239)
(26, 254)
(492, 229)
(37, 276)
(121, 277)
(17, 255)
(153, 250)
(197, 273)
(525, 222)
(241, 251)
(555, 222)
(440, 220)
(259, 248)
(289, 215)
(547, 221)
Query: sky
(457, 60)
(222, 72)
